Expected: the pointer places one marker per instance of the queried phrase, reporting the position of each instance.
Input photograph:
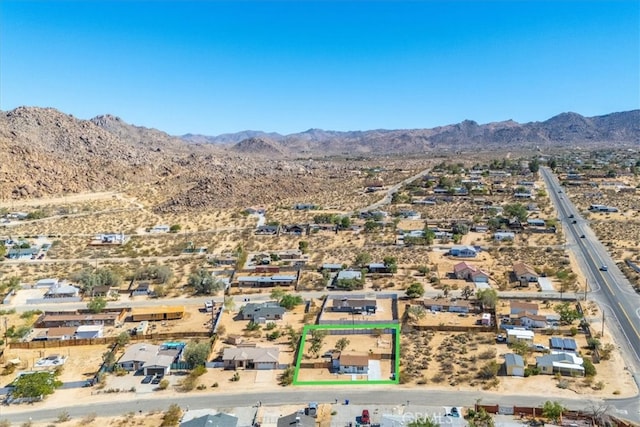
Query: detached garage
(514, 365)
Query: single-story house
(536, 222)
(260, 312)
(256, 210)
(378, 267)
(352, 364)
(463, 251)
(563, 344)
(456, 306)
(22, 253)
(290, 254)
(61, 333)
(109, 239)
(560, 362)
(518, 307)
(73, 318)
(529, 320)
(251, 358)
(89, 331)
(305, 206)
(267, 281)
(143, 289)
(514, 365)
(349, 275)
(151, 359)
(218, 420)
(46, 283)
(294, 229)
(524, 272)
(62, 291)
(412, 215)
(297, 419)
(504, 235)
(267, 230)
(333, 268)
(100, 291)
(520, 335)
(160, 229)
(354, 306)
(161, 312)
(463, 270)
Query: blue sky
(212, 67)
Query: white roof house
(89, 331)
(516, 335)
(46, 283)
(62, 291)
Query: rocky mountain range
(563, 129)
(44, 152)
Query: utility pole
(602, 333)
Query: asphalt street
(300, 395)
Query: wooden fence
(106, 340)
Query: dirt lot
(454, 360)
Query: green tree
(480, 418)
(123, 339)
(429, 236)
(552, 163)
(460, 228)
(303, 245)
(467, 292)
(517, 210)
(277, 293)
(362, 259)
(568, 314)
(172, 416)
(35, 385)
(317, 339)
(175, 228)
(521, 348)
(342, 343)
(294, 337)
(416, 312)
(589, 368)
(424, 422)
(345, 222)
(3, 250)
(289, 301)
(229, 303)
(391, 264)
(552, 410)
(97, 304)
(487, 297)
(204, 283)
(197, 354)
(415, 290)
(534, 165)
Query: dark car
(574, 222)
(603, 268)
(147, 379)
(365, 419)
(156, 379)
(582, 236)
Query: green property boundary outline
(396, 361)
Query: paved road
(298, 395)
(609, 288)
(394, 189)
(239, 300)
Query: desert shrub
(489, 370)
(172, 416)
(487, 354)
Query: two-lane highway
(610, 288)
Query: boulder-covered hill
(564, 129)
(45, 152)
